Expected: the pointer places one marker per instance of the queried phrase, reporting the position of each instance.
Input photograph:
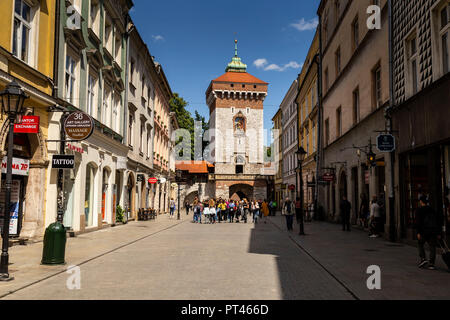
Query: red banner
(152, 180)
(29, 124)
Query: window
(412, 65)
(314, 138)
(338, 122)
(108, 34)
(118, 48)
(94, 16)
(92, 83)
(132, 68)
(239, 169)
(444, 37)
(327, 132)
(314, 92)
(117, 106)
(338, 61)
(22, 30)
(337, 8)
(376, 85)
(70, 81)
(141, 140)
(355, 33)
(130, 130)
(106, 113)
(356, 111)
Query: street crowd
(232, 211)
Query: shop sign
(75, 148)
(328, 177)
(152, 180)
(29, 124)
(386, 143)
(78, 126)
(140, 177)
(63, 161)
(292, 187)
(20, 167)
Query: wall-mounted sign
(152, 180)
(63, 162)
(78, 126)
(140, 177)
(386, 143)
(20, 167)
(75, 148)
(162, 180)
(328, 177)
(292, 187)
(29, 124)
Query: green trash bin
(54, 245)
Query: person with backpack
(429, 229)
(232, 209)
(288, 211)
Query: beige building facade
(355, 94)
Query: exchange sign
(79, 126)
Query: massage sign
(78, 126)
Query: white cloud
(304, 25)
(264, 64)
(158, 38)
(260, 63)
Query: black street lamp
(12, 99)
(301, 154)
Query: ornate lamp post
(301, 154)
(12, 99)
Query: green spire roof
(236, 65)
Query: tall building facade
(278, 157)
(355, 95)
(288, 109)
(27, 57)
(236, 104)
(421, 60)
(308, 102)
(91, 73)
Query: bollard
(54, 245)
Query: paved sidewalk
(348, 254)
(25, 261)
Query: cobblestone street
(168, 259)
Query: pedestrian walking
(265, 211)
(375, 218)
(288, 211)
(256, 209)
(363, 210)
(345, 208)
(232, 207)
(188, 207)
(172, 208)
(299, 215)
(429, 229)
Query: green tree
(184, 117)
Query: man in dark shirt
(345, 213)
(429, 228)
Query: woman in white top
(206, 213)
(212, 214)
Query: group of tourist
(231, 211)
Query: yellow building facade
(27, 40)
(307, 101)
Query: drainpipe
(388, 116)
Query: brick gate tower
(236, 104)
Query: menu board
(14, 208)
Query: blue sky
(194, 42)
